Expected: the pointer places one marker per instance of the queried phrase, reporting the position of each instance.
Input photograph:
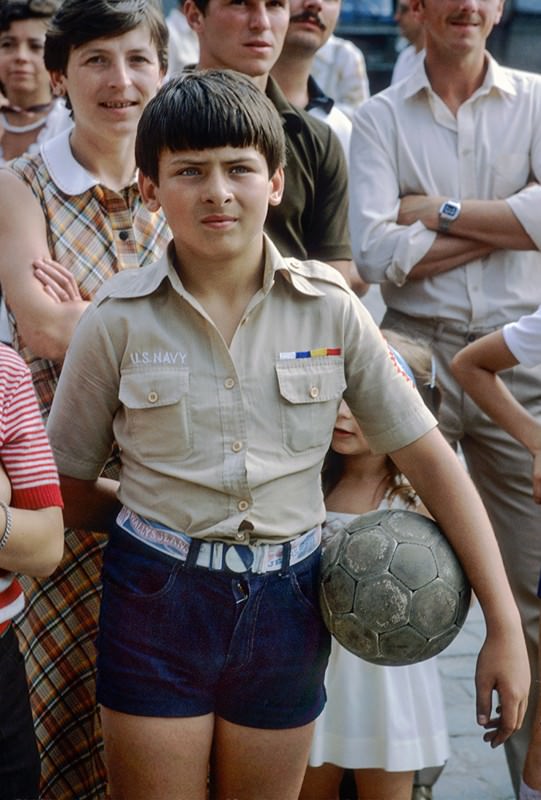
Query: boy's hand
(502, 667)
(57, 281)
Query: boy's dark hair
(204, 109)
(80, 21)
(15, 10)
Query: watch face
(450, 210)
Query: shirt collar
(291, 269)
(289, 113)
(317, 97)
(145, 281)
(68, 174)
(497, 77)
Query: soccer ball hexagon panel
(392, 589)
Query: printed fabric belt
(238, 558)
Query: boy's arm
(90, 505)
(475, 368)
(45, 324)
(450, 496)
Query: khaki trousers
(501, 470)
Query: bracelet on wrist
(7, 527)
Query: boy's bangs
(210, 128)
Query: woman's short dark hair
(204, 109)
(78, 22)
(15, 10)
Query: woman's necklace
(32, 126)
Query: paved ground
(474, 771)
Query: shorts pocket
(305, 583)
(135, 575)
(157, 409)
(310, 394)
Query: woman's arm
(36, 542)
(45, 324)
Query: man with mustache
(311, 24)
(445, 208)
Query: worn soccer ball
(392, 589)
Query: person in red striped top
(31, 542)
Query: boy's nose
(217, 191)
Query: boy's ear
(149, 192)
(194, 15)
(276, 187)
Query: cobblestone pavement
(474, 771)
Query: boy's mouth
(218, 220)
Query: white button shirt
(405, 140)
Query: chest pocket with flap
(311, 392)
(157, 411)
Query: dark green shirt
(312, 219)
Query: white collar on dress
(68, 174)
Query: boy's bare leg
(377, 784)
(255, 764)
(151, 758)
(322, 783)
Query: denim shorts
(179, 641)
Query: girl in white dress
(382, 722)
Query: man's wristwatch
(447, 214)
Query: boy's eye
(240, 169)
(188, 171)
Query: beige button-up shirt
(405, 140)
(216, 438)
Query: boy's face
(110, 81)
(215, 201)
(245, 35)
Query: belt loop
(439, 330)
(286, 557)
(193, 552)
